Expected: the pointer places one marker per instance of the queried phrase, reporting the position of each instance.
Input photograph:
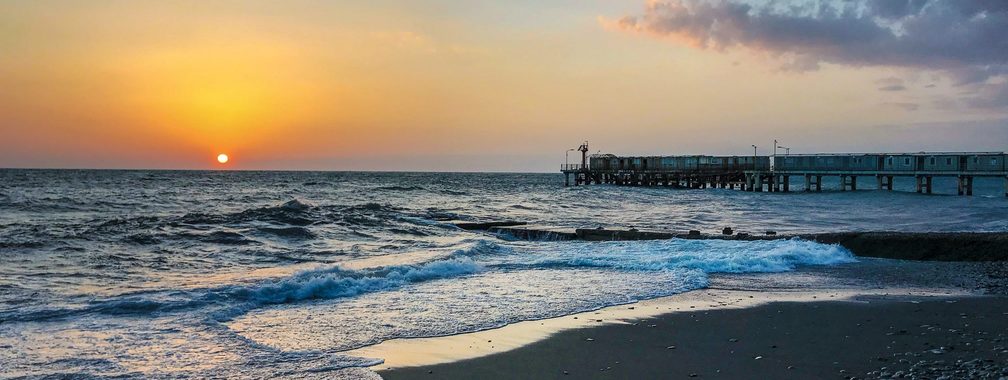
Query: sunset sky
(490, 85)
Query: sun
(222, 158)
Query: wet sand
(866, 319)
(868, 337)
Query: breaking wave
(710, 256)
(339, 283)
(229, 300)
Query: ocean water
(176, 274)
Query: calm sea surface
(180, 274)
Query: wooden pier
(774, 173)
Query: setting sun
(222, 158)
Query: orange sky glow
(439, 85)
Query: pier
(774, 173)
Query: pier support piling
(967, 184)
(846, 181)
(884, 182)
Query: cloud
(906, 106)
(965, 40)
(891, 84)
(895, 87)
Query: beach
(879, 318)
(871, 337)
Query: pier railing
(572, 167)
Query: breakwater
(938, 246)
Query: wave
(710, 256)
(21, 244)
(291, 220)
(370, 207)
(338, 283)
(293, 212)
(142, 239)
(227, 238)
(399, 188)
(230, 300)
(294, 232)
(316, 183)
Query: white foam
(711, 256)
(337, 283)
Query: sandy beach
(872, 337)
(875, 319)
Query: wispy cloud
(891, 84)
(906, 106)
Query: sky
(491, 85)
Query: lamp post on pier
(754, 157)
(567, 158)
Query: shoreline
(869, 281)
(861, 336)
(428, 351)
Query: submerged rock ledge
(936, 246)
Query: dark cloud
(967, 40)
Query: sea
(276, 274)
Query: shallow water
(255, 274)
